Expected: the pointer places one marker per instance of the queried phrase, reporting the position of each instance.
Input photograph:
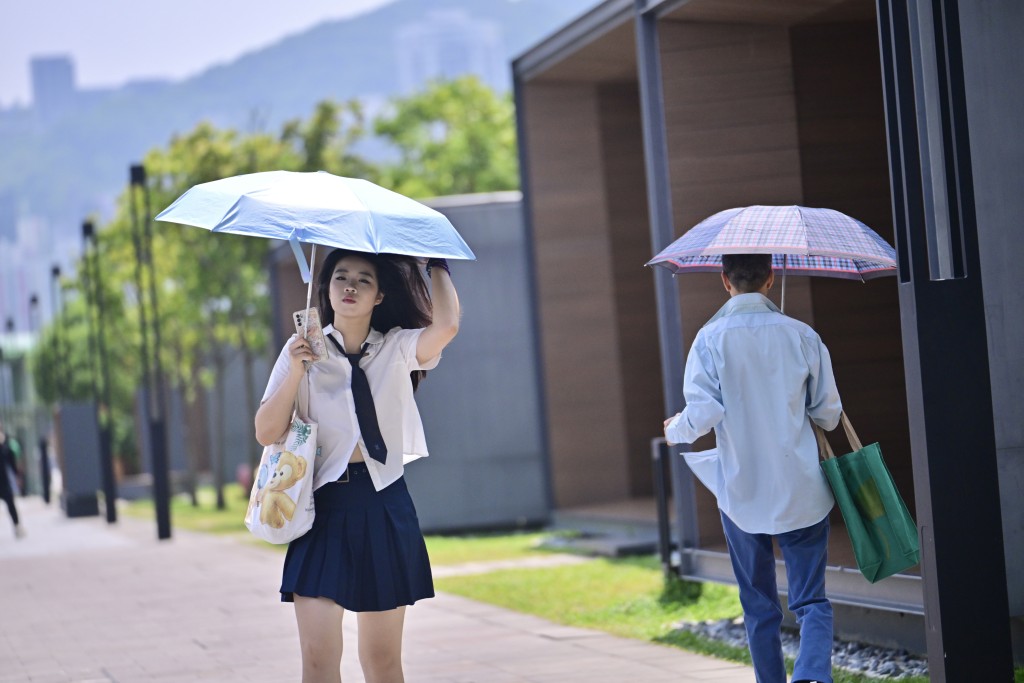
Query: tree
(456, 137)
(211, 289)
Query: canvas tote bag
(882, 532)
(281, 502)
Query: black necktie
(366, 413)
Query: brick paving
(86, 602)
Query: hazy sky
(113, 41)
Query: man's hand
(667, 423)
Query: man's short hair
(747, 272)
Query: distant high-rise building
(448, 44)
(8, 217)
(53, 87)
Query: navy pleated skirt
(365, 550)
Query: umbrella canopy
(803, 241)
(319, 208)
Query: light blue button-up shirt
(755, 376)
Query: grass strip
(443, 550)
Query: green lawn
(205, 517)
(624, 596)
(443, 550)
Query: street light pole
(143, 237)
(3, 388)
(33, 312)
(95, 282)
(61, 375)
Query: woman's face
(354, 288)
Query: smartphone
(312, 330)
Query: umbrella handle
(309, 288)
(785, 262)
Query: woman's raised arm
(446, 314)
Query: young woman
(365, 552)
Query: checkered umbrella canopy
(805, 241)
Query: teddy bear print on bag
(277, 507)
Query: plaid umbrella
(803, 241)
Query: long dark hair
(406, 301)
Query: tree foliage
(456, 137)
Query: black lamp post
(61, 376)
(3, 387)
(33, 312)
(9, 326)
(93, 282)
(153, 380)
(44, 451)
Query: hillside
(79, 164)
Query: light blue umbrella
(319, 208)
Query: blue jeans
(753, 561)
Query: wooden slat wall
(636, 313)
(845, 167)
(732, 138)
(732, 134)
(583, 380)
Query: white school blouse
(388, 361)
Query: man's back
(754, 375)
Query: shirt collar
(372, 339)
(753, 302)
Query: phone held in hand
(314, 333)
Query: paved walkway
(84, 602)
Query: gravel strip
(869, 660)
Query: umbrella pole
(309, 289)
(785, 262)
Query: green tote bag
(882, 532)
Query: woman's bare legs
(320, 638)
(380, 645)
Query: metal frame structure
(940, 281)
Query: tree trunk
(219, 427)
(250, 403)
(187, 407)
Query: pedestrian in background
(758, 379)
(8, 474)
(365, 552)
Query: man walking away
(759, 378)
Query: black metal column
(670, 326)
(944, 341)
(94, 281)
(153, 382)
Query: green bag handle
(825, 451)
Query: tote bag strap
(824, 449)
(297, 408)
(851, 435)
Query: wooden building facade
(644, 117)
